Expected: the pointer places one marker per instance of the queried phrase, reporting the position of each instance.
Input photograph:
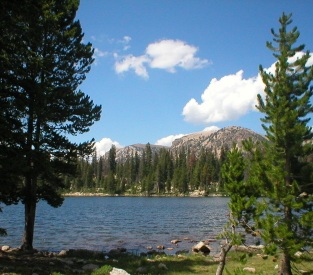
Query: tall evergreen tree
(43, 61)
(287, 219)
(112, 159)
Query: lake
(104, 223)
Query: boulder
(249, 269)
(5, 248)
(118, 271)
(201, 247)
(62, 253)
(175, 241)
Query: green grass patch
(159, 264)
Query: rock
(62, 253)
(249, 269)
(298, 254)
(5, 248)
(161, 247)
(303, 195)
(90, 267)
(118, 271)
(175, 241)
(201, 247)
(162, 266)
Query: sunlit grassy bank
(159, 264)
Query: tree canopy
(281, 171)
(43, 61)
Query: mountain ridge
(213, 140)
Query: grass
(182, 265)
(198, 264)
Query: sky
(167, 68)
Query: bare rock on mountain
(122, 154)
(216, 140)
(211, 140)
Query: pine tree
(43, 61)
(287, 220)
(243, 195)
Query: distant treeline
(162, 172)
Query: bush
(104, 270)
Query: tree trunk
(30, 213)
(30, 203)
(285, 268)
(225, 249)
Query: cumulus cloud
(104, 145)
(169, 54)
(165, 54)
(133, 62)
(167, 141)
(228, 98)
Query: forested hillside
(192, 163)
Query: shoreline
(95, 194)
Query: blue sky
(166, 68)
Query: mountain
(212, 140)
(122, 154)
(216, 140)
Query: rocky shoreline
(99, 194)
(81, 260)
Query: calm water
(103, 223)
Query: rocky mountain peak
(211, 140)
(216, 140)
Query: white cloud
(165, 54)
(132, 62)
(168, 54)
(104, 145)
(211, 129)
(167, 141)
(228, 98)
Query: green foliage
(43, 61)
(278, 172)
(104, 270)
(151, 173)
(286, 188)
